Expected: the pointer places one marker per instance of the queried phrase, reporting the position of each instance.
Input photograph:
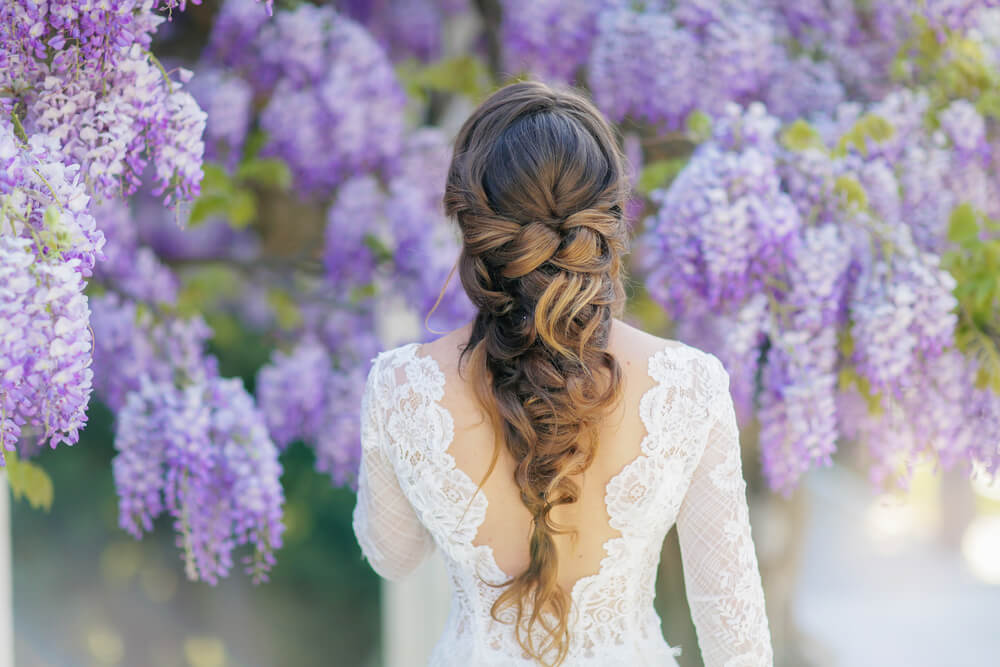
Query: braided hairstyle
(537, 187)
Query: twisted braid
(537, 187)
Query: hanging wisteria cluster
(49, 244)
(818, 207)
(85, 76)
(334, 106)
(801, 241)
(89, 117)
(332, 109)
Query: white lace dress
(412, 498)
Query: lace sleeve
(388, 530)
(720, 566)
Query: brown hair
(538, 188)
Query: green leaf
(846, 342)
(659, 173)
(380, 250)
(29, 481)
(255, 141)
(991, 254)
(266, 172)
(286, 311)
(215, 178)
(869, 126)
(800, 136)
(465, 75)
(849, 376)
(208, 206)
(699, 126)
(363, 292)
(204, 286)
(962, 226)
(216, 190)
(51, 216)
(242, 208)
(988, 103)
(852, 192)
(983, 293)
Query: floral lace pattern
(411, 497)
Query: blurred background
(326, 135)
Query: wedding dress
(412, 498)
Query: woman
(547, 447)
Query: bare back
(507, 526)
(667, 455)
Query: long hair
(537, 187)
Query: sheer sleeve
(720, 566)
(387, 528)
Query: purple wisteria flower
(304, 396)
(966, 129)
(798, 404)
(551, 38)
(292, 391)
(85, 77)
(644, 65)
(724, 224)
(406, 28)
(334, 106)
(201, 453)
(939, 413)
(338, 444)
(426, 244)
(902, 305)
(131, 342)
(353, 217)
(45, 375)
(226, 100)
(131, 268)
(801, 86)
(49, 244)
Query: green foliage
(848, 375)
(465, 75)
(29, 481)
(256, 140)
(363, 293)
(800, 136)
(204, 286)
(659, 174)
(234, 197)
(949, 66)
(978, 345)
(851, 192)
(380, 250)
(699, 126)
(286, 312)
(869, 127)
(265, 172)
(975, 265)
(963, 226)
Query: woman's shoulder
(436, 359)
(634, 344)
(662, 357)
(633, 347)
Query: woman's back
(668, 452)
(598, 432)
